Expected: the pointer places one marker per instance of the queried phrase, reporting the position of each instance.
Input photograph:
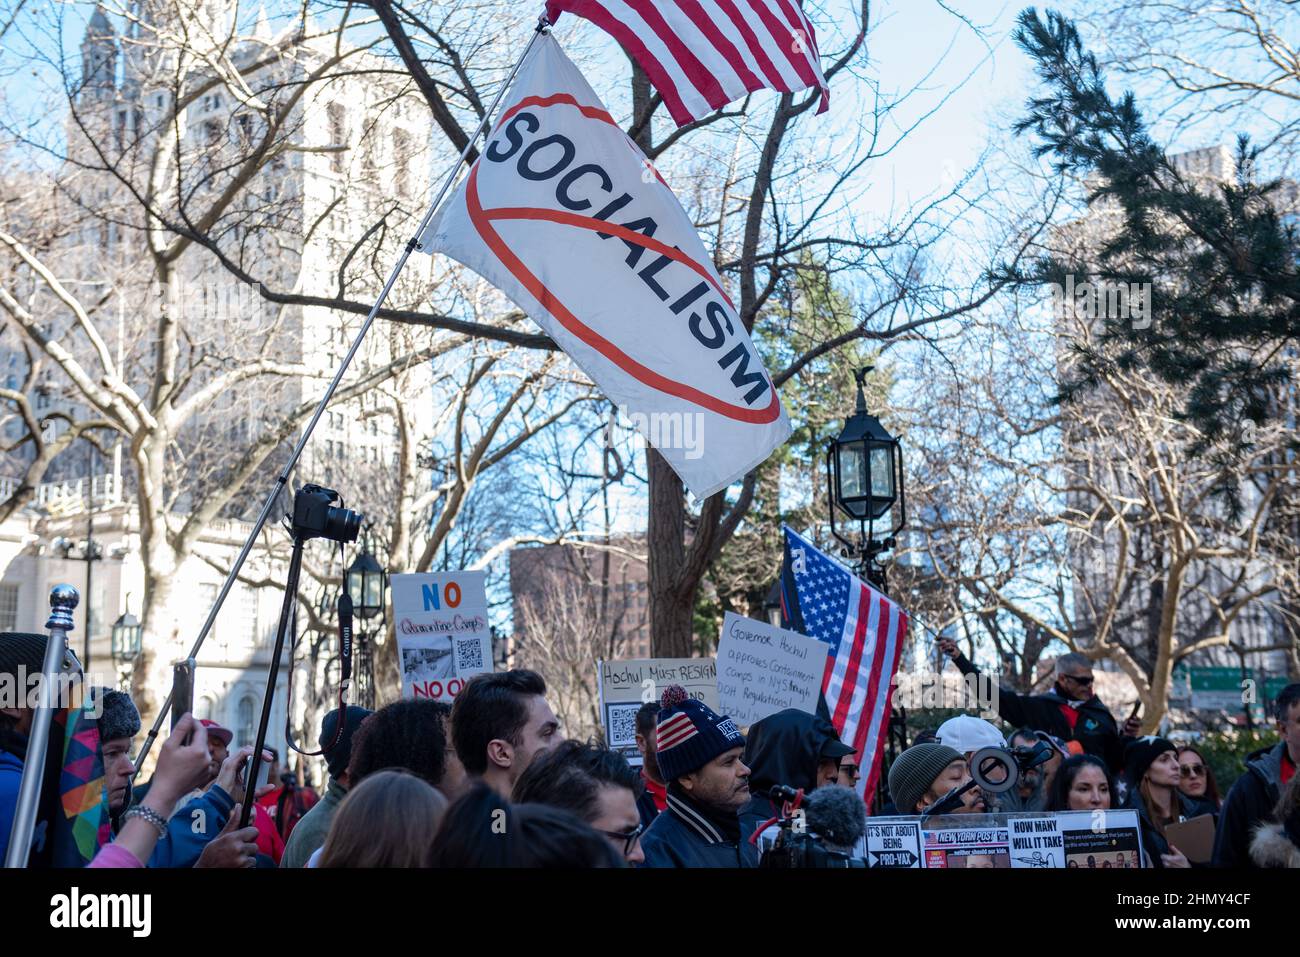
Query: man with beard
(925, 773)
(700, 757)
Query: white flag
(563, 213)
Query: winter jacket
(1277, 845)
(784, 748)
(313, 826)
(11, 776)
(1251, 800)
(1153, 842)
(688, 835)
(1094, 727)
(191, 828)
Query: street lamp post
(367, 583)
(864, 475)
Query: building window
(246, 733)
(338, 134)
(401, 158)
(8, 607)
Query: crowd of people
(490, 781)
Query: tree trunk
(672, 601)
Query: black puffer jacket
(784, 748)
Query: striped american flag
(703, 54)
(865, 630)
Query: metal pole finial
(63, 599)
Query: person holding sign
(708, 783)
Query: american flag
(703, 54)
(865, 630)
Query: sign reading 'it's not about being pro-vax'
(443, 640)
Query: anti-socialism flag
(865, 630)
(565, 215)
(703, 54)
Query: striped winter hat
(689, 734)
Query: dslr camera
(316, 516)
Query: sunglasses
(1191, 771)
(629, 838)
(1079, 681)
(852, 770)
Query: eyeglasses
(852, 770)
(1191, 771)
(629, 838)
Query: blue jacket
(11, 775)
(191, 828)
(684, 836)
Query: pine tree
(1222, 261)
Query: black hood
(785, 748)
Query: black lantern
(864, 471)
(367, 582)
(125, 637)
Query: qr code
(469, 656)
(622, 724)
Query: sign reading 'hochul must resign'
(763, 669)
(441, 621)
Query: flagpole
(63, 599)
(283, 479)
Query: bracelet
(147, 814)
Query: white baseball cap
(967, 733)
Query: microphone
(782, 792)
(837, 815)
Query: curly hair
(410, 734)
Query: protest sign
(893, 843)
(1036, 841)
(441, 622)
(623, 686)
(983, 845)
(763, 669)
(1101, 840)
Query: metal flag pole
(283, 479)
(63, 599)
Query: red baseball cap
(224, 735)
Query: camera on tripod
(315, 516)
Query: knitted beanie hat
(120, 719)
(913, 771)
(1140, 754)
(689, 734)
(21, 649)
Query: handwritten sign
(763, 669)
(443, 638)
(624, 686)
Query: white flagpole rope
(283, 479)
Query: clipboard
(1194, 837)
